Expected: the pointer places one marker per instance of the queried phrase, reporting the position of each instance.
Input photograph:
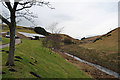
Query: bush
(40, 30)
(67, 41)
(52, 41)
(108, 35)
(83, 38)
(97, 39)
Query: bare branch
(15, 5)
(8, 5)
(49, 5)
(24, 3)
(18, 21)
(30, 14)
(4, 5)
(24, 7)
(38, 3)
(24, 17)
(59, 30)
(4, 20)
(27, 18)
(55, 29)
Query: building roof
(30, 34)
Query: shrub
(97, 39)
(67, 41)
(108, 35)
(40, 30)
(52, 41)
(83, 38)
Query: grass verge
(5, 40)
(30, 57)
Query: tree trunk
(10, 61)
(12, 27)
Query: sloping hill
(5, 28)
(34, 61)
(107, 42)
(90, 39)
(76, 41)
(103, 50)
(31, 30)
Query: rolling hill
(107, 42)
(5, 28)
(101, 50)
(34, 61)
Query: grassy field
(103, 52)
(26, 31)
(38, 60)
(5, 40)
(18, 29)
(108, 42)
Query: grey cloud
(63, 17)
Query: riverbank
(90, 70)
(106, 59)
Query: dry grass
(103, 52)
(109, 43)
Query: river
(108, 71)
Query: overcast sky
(80, 18)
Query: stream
(110, 72)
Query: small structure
(32, 36)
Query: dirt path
(90, 70)
(17, 41)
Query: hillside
(32, 60)
(31, 30)
(76, 41)
(107, 42)
(103, 50)
(18, 29)
(90, 39)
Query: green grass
(25, 30)
(47, 66)
(20, 30)
(5, 40)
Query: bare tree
(54, 39)
(13, 9)
(54, 28)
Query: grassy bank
(31, 58)
(102, 51)
(20, 30)
(107, 42)
(5, 40)
(104, 58)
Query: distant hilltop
(96, 38)
(17, 27)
